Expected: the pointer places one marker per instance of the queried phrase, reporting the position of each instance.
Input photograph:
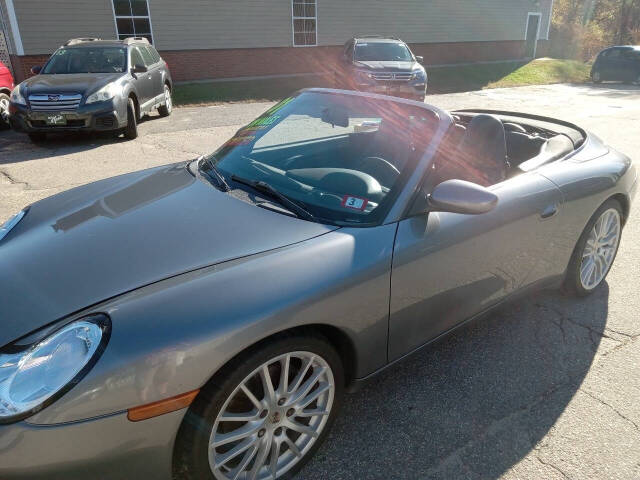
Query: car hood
(67, 83)
(92, 243)
(389, 66)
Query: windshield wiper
(213, 173)
(264, 187)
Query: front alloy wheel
(272, 418)
(263, 416)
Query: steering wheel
(380, 169)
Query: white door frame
(526, 30)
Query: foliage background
(581, 28)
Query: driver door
(448, 267)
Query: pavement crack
(551, 465)
(611, 407)
(12, 180)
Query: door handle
(549, 212)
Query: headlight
(105, 93)
(420, 75)
(364, 77)
(38, 375)
(16, 96)
(12, 222)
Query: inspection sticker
(357, 203)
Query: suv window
(87, 60)
(146, 55)
(383, 51)
(136, 57)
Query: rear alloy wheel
(4, 111)
(167, 107)
(131, 130)
(596, 250)
(596, 77)
(266, 417)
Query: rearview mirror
(419, 59)
(335, 116)
(458, 196)
(138, 69)
(36, 69)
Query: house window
(132, 19)
(304, 16)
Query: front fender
(173, 336)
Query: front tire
(595, 251)
(131, 130)
(166, 109)
(4, 111)
(264, 415)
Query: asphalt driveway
(545, 388)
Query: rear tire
(596, 77)
(4, 111)
(270, 418)
(596, 250)
(37, 137)
(131, 130)
(166, 109)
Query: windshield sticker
(264, 121)
(240, 140)
(356, 203)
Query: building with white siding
(206, 39)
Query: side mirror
(420, 59)
(458, 196)
(36, 69)
(138, 69)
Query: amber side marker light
(161, 407)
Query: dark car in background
(617, 64)
(384, 65)
(91, 84)
(6, 85)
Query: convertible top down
(204, 319)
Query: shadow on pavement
(474, 404)
(16, 147)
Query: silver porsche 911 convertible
(203, 320)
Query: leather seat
(481, 156)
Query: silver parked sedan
(202, 320)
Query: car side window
(154, 53)
(146, 55)
(614, 54)
(136, 57)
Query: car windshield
(341, 157)
(383, 52)
(87, 60)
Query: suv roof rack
(75, 41)
(390, 37)
(130, 40)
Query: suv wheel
(596, 77)
(167, 107)
(4, 111)
(131, 130)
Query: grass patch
(542, 71)
(441, 80)
(244, 90)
